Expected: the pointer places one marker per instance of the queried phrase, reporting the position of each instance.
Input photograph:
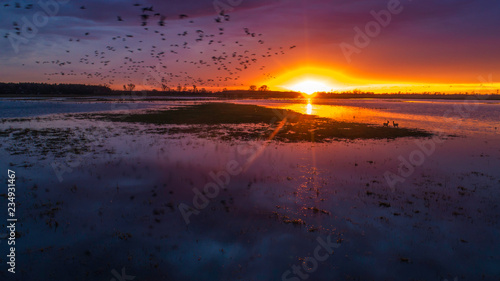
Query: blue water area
(127, 202)
(23, 108)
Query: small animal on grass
(396, 125)
(386, 124)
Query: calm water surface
(118, 205)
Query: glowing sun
(310, 87)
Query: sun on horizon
(310, 87)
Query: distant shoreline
(20, 90)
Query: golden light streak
(310, 79)
(309, 107)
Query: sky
(373, 45)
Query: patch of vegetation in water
(205, 114)
(284, 125)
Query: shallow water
(31, 107)
(461, 117)
(119, 204)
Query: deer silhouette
(386, 124)
(396, 125)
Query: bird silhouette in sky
(130, 55)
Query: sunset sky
(425, 46)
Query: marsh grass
(205, 114)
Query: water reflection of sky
(30, 107)
(480, 117)
(135, 181)
(137, 191)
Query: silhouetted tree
(264, 88)
(195, 90)
(165, 88)
(129, 87)
(253, 88)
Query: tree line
(17, 89)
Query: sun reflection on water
(309, 107)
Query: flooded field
(176, 201)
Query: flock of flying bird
(152, 58)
